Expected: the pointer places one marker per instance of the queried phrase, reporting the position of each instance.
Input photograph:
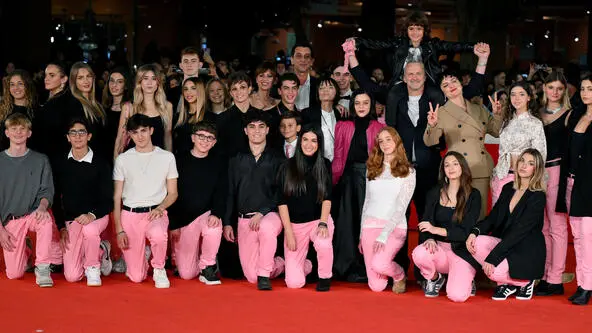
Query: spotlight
(51, 39)
(149, 26)
(360, 29)
(69, 38)
(577, 39)
(320, 25)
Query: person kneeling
(196, 214)
(514, 254)
(452, 209)
(389, 187)
(83, 182)
(304, 205)
(146, 178)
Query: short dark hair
(291, 115)
(205, 126)
(75, 121)
(303, 44)
(289, 76)
(138, 120)
(417, 18)
(192, 50)
(237, 77)
(255, 115)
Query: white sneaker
(106, 263)
(42, 276)
(93, 276)
(160, 278)
(120, 266)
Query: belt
(11, 217)
(246, 216)
(139, 209)
(552, 163)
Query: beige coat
(464, 132)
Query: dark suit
(312, 96)
(521, 233)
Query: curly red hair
(400, 166)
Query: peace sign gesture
(433, 115)
(496, 105)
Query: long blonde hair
(557, 76)
(160, 100)
(7, 101)
(93, 112)
(184, 108)
(537, 180)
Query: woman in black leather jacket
(415, 45)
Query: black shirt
(182, 143)
(202, 186)
(358, 150)
(252, 184)
(231, 134)
(443, 219)
(83, 188)
(304, 207)
(556, 134)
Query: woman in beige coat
(464, 125)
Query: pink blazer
(344, 132)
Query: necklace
(554, 111)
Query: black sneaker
(324, 285)
(577, 294)
(550, 289)
(56, 268)
(525, 293)
(432, 288)
(208, 276)
(263, 283)
(502, 292)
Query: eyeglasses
(77, 132)
(208, 138)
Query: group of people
(216, 160)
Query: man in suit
(303, 59)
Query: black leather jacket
(431, 50)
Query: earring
(446, 179)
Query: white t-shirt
(328, 122)
(413, 112)
(144, 176)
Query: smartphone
(204, 71)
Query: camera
(542, 67)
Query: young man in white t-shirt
(146, 181)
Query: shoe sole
(431, 296)
(162, 286)
(499, 299)
(208, 282)
(94, 284)
(523, 298)
(47, 285)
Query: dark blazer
(314, 87)
(522, 242)
(581, 158)
(312, 115)
(458, 233)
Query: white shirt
(87, 158)
(413, 112)
(292, 149)
(328, 121)
(144, 176)
(387, 199)
(345, 101)
(303, 97)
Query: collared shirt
(344, 99)
(292, 147)
(522, 132)
(87, 158)
(328, 121)
(303, 98)
(252, 184)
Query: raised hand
(481, 50)
(496, 105)
(433, 115)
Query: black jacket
(521, 232)
(312, 115)
(581, 157)
(458, 233)
(431, 50)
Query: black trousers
(351, 192)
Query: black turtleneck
(358, 150)
(305, 206)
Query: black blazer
(521, 232)
(312, 115)
(458, 233)
(580, 151)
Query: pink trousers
(190, 257)
(256, 249)
(554, 230)
(380, 265)
(443, 260)
(497, 185)
(138, 228)
(581, 229)
(16, 260)
(483, 246)
(83, 249)
(305, 233)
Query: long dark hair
(107, 99)
(465, 188)
(297, 169)
(509, 110)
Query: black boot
(263, 283)
(324, 285)
(551, 289)
(576, 294)
(583, 298)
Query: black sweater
(202, 186)
(82, 188)
(521, 232)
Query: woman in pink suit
(354, 140)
